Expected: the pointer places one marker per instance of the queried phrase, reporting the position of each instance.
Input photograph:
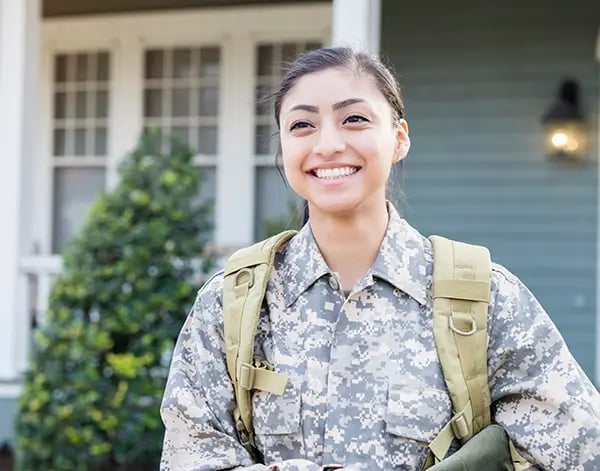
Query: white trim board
(179, 27)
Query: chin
(335, 206)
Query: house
(79, 81)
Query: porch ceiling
(53, 8)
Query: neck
(350, 242)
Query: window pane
(181, 102)
(275, 204)
(154, 64)
(209, 62)
(75, 189)
(207, 140)
(81, 105)
(100, 143)
(288, 54)
(208, 101)
(264, 100)
(60, 66)
(265, 141)
(102, 67)
(102, 104)
(181, 134)
(182, 63)
(60, 105)
(80, 148)
(60, 142)
(153, 103)
(82, 67)
(265, 60)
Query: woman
(347, 314)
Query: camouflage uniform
(366, 388)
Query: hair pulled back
(342, 57)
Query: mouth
(333, 173)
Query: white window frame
(237, 31)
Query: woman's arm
(540, 395)
(198, 400)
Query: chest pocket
(414, 417)
(277, 424)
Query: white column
(19, 23)
(125, 108)
(357, 23)
(234, 210)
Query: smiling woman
(335, 364)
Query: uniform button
(333, 283)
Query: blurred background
(501, 98)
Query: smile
(333, 173)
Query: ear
(402, 141)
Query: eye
(356, 118)
(300, 125)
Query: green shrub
(99, 363)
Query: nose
(330, 141)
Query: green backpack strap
(244, 285)
(461, 291)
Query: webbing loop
(456, 330)
(244, 271)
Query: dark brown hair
(342, 57)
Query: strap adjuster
(247, 376)
(459, 426)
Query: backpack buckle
(458, 331)
(242, 433)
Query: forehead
(332, 86)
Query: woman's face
(338, 140)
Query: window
(181, 95)
(181, 98)
(80, 138)
(276, 204)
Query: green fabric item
(486, 451)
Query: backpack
(461, 290)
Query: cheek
(375, 147)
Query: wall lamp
(565, 127)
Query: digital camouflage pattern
(366, 388)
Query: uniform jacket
(366, 388)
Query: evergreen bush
(99, 363)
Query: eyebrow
(336, 106)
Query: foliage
(91, 398)
(293, 220)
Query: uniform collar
(401, 261)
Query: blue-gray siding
(8, 410)
(477, 77)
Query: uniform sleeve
(198, 399)
(540, 395)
